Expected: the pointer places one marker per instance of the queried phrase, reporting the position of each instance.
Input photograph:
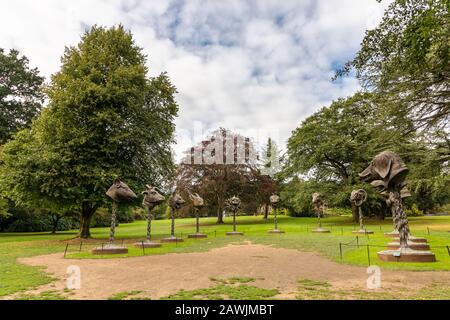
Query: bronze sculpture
(175, 203)
(198, 203)
(318, 204)
(152, 198)
(358, 198)
(274, 202)
(118, 192)
(234, 203)
(387, 173)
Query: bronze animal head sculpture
(119, 191)
(358, 197)
(317, 203)
(317, 199)
(387, 172)
(234, 202)
(274, 200)
(152, 197)
(197, 201)
(176, 201)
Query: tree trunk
(355, 213)
(266, 212)
(219, 215)
(55, 224)
(87, 212)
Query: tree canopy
(406, 59)
(20, 93)
(105, 120)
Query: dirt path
(161, 275)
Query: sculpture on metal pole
(274, 202)
(197, 203)
(358, 198)
(152, 198)
(318, 204)
(387, 174)
(234, 204)
(118, 192)
(175, 203)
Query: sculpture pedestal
(171, 240)
(147, 244)
(362, 231)
(320, 230)
(411, 245)
(276, 231)
(406, 255)
(197, 236)
(393, 234)
(110, 249)
(413, 239)
(235, 233)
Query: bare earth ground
(273, 268)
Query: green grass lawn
(16, 277)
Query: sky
(256, 67)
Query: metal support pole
(67, 246)
(368, 254)
(340, 250)
(113, 222)
(172, 227)
(275, 218)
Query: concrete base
(412, 245)
(171, 240)
(362, 232)
(110, 249)
(320, 230)
(276, 231)
(197, 236)
(235, 233)
(414, 239)
(393, 234)
(406, 255)
(147, 244)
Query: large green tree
(20, 93)
(337, 142)
(220, 167)
(406, 60)
(106, 119)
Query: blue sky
(259, 67)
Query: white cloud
(254, 64)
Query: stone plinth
(413, 239)
(393, 234)
(362, 231)
(406, 255)
(320, 230)
(171, 240)
(412, 245)
(276, 231)
(110, 249)
(147, 244)
(197, 236)
(235, 233)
